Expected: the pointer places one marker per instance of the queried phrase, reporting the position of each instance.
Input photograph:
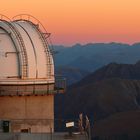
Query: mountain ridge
(96, 94)
(113, 70)
(96, 55)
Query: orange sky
(82, 21)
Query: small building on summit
(27, 81)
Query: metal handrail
(35, 21)
(4, 18)
(31, 19)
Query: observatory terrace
(26, 62)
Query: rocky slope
(113, 89)
(112, 70)
(121, 126)
(101, 99)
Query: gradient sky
(82, 21)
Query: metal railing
(26, 91)
(34, 89)
(60, 84)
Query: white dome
(24, 53)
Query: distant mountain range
(90, 57)
(107, 88)
(112, 89)
(71, 74)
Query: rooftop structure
(27, 81)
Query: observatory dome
(25, 57)
(27, 83)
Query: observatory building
(27, 81)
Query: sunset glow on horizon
(82, 21)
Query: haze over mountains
(71, 74)
(91, 57)
(96, 55)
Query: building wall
(6, 58)
(35, 113)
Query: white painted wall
(8, 63)
(37, 46)
(30, 52)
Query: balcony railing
(34, 89)
(60, 84)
